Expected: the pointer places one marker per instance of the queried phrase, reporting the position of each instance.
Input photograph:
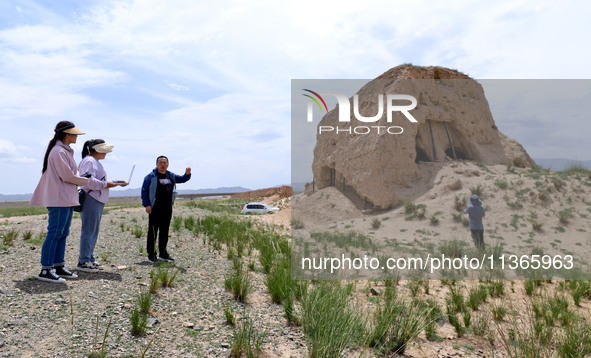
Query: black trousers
(158, 225)
(478, 237)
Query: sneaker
(63, 272)
(97, 265)
(151, 259)
(165, 258)
(49, 275)
(86, 267)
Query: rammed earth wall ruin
(370, 160)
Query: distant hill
(557, 164)
(16, 197)
(299, 187)
(135, 192)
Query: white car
(258, 208)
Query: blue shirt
(475, 214)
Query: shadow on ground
(101, 275)
(34, 286)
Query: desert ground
(527, 211)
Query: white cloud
(12, 154)
(177, 87)
(209, 82)
(43, 70)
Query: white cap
(103, 148)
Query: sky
(208, 83)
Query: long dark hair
(59, 135)
(87, 149)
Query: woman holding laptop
(92, 208)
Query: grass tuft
(329, 320)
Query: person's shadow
(33, 286)
(101, 275)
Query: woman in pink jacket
(58, 191)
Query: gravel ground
(41, 319)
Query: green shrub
(499, 311)
(467, 319)
(139, 322)
(177, 223)
(9, 236)
(477, 190)
(238, 282)
(410, 207)
(144, 302)
(480, 325)
(496, 288)
(576, 342)
(27, 235)
(375, 223)
(154, 282)
(501, 183)
(247, 339)
(289, 310)
(455, 322)
(297, 224)
(510, 167)
(565, 215)
(530, 338)
(536, 225)
(455, 300)
(229, 314)
(278, 282)
(581, 289)
(421, 211)
(395, 323)
(267, 254)
(453, 248)
(167, 276)
(530, 286)
(138, 232)
(329, 320)
(434, 219)
(476, 296)
(189, 223)
(251, 265)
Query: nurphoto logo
(345, 112)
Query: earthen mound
(281, 192)
(454, 123)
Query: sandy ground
(200, 295)
(507, 226)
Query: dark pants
(478, 237)
(158, 225)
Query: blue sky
(208, 83)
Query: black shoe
(63, 272)
(49, 275)
(86, 267)
(165, 258)
(151, 259)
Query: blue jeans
(58, 228)
(91, 215)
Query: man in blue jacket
(158, 194)
(475, 213)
